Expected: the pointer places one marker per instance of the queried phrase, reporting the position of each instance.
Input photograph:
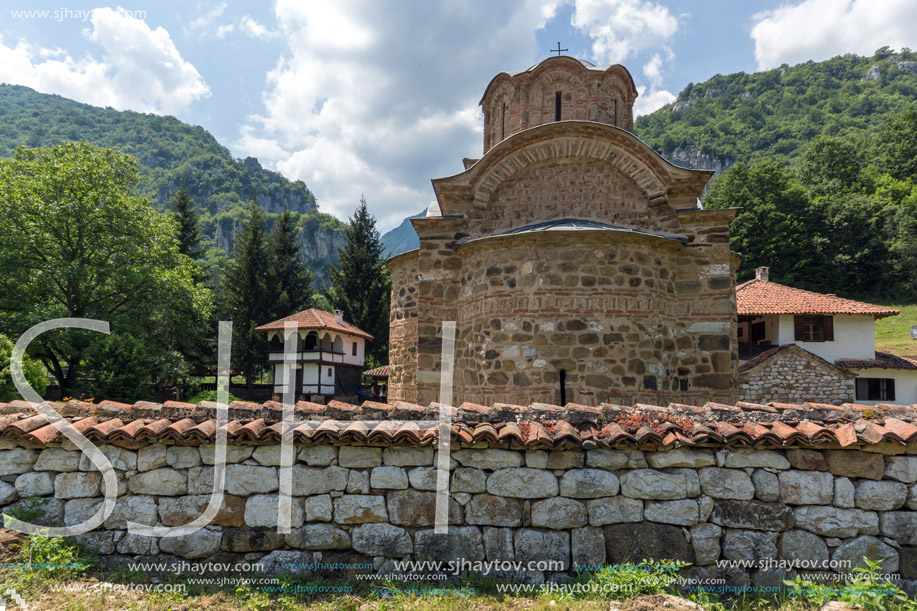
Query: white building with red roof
(330, 354)
(834, 347)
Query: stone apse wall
(578, 506)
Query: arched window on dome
(503, 123)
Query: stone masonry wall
(794, 377)
(376, 504)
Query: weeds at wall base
(864, 589)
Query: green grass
(893, 334)
(210, 395)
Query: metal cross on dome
(558, 50)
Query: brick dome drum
(574, 260)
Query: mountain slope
(402, 238)
(170, 152)
(740, 117)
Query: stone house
(797, 346)
(329, 354)
(575, 261)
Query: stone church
(575, 260)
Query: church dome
(557, 89)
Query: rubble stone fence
(820, 501)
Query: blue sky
(379, 96)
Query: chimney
(339, 316)
(761, 274)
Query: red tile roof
(883, 360)
(762, 297)
(315, 319)
(377, 372)
(534, 426)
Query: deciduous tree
(78, 244)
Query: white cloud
(209, 17)
(820, 29)
(655, 97)
(140, 69)
(246, 25)
(653, 100)
(621, 28)
(373, 97)
(255, 29)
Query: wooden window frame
(875, 389)
(813, 328)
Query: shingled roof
(758, 297)
(883, 360)
(315, 319)
(534, 426)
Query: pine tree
(289, 279)
(189, 226)
(246, 299)
(360, 283)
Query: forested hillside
(774, 114)
(170, 152)
(822, 159)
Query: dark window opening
(758, 331)
(503, 123)
(329, 371)
(875, 389)
(614, 119)
(557, 105)
(563, 387)
(814, 328)
(354, 349)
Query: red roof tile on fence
(534, 426)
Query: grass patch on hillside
(893, 334)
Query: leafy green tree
(775, 227)
(189, 223)
(35, 373)
(897, 144)
(854, 253)
(830, 165)
(900, 232)
(246, 299)
(119, 368)
(289, 279)
(361, 284)
(86, 247)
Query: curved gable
(571, 168)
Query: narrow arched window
(503, 123)
(557, 104)
(563, 387)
